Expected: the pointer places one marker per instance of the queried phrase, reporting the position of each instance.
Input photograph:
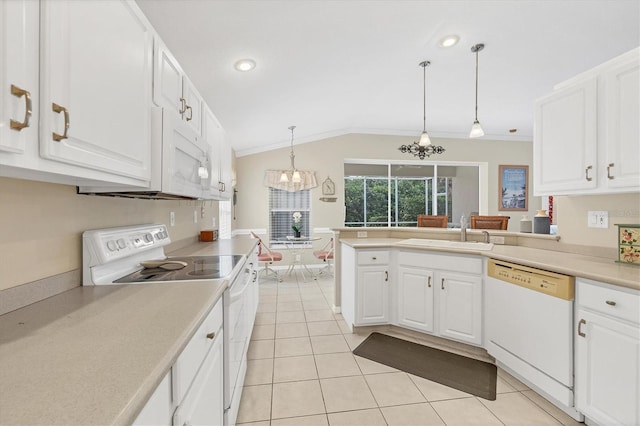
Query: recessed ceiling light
(245, 65)
(449, 41)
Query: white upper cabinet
(18, 75)
(214, 135)
(96, 74)
(174, 91)
(587, 132)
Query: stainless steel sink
(462, 245)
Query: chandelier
(423, 148)
(293, 172)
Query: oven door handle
(237, 294)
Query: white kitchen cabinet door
(204, 402)
(214, 137)
(226, 172)
(167, 81)
(159, 408)
(18, 75)
(607, 369)
(415, 298)
(372, 295)
(194, 106)
(96, 74)
(565, 140)
(622, 86)
(460, 307)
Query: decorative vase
(525, 224)
(541, 222)
(296, 234)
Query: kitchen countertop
(595, 268)
(95, 354)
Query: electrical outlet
(297, 258)
(362, 234)
(172, 218)
(598, 219)
(495, 239)
(195, 216)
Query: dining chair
(266, 256)
(429, 221)
(490, 222)
(326, 255)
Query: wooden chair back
(490, 222)
(429, 221)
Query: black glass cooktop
(198, 268)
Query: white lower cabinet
(440, 294)
(607, 353)
(159, 408)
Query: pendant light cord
(292, 155)
(424, 97)
(477, 83)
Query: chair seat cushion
(323, 254)
(264, 257)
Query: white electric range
(115, 256)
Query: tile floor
(301, 372)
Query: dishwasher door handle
(580, 323)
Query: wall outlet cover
(496, 239)
(362, 234)
(172, 218)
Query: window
(224, 218)
(395, 194)
(282, 205)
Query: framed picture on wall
(512, 188)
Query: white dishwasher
(529, 324)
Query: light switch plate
(598, 219)
(362, 234)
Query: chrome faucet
(463, 229)
(487, 237)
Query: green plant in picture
(297, 227)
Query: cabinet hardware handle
(374, 258)
(211, 335)
(183, 106)
(429, 282)
(190, 113)
(442, 284)
(580, 323)
(610, 303)
(224, 187)
(57, 108)
(609, 176)
(18, 92)
(386, 275)
(586, 173)
(255, 276)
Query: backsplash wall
(41, 225)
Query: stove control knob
(148, 237)
(122, 243)
(111, 245)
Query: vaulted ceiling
(333, 67)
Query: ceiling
(350, 66)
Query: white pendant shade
(296, 177)
(476, 130)
(284, 177)
(425, 140)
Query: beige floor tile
(371, 367)
(393, 389)
(371, 417)
(323, 328)
(295, 368)
(289, 317)
(557, 413)
(517, 409)
(266, 307)
(354, 340)
(344, 327)
(315, 306)
(288, 289)
(260, 349)
(255, 404)
(347, 393)
(268, 290)
(268, 298)
(293, 297)
(264, 423)
(295, 399)
(293, 347)
(317, 420)
(411, 415)
(319, 315)
(285, 331)
(435, 391)
(259, 372)
(337, 365)
(512, 381)
(312, 296)
(502, 386)
(289, 306)
(465, 411)
(263, 332)
(265, 318)
(329, 344)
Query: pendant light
(476, 128)
(295, 174)
(423, 148)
